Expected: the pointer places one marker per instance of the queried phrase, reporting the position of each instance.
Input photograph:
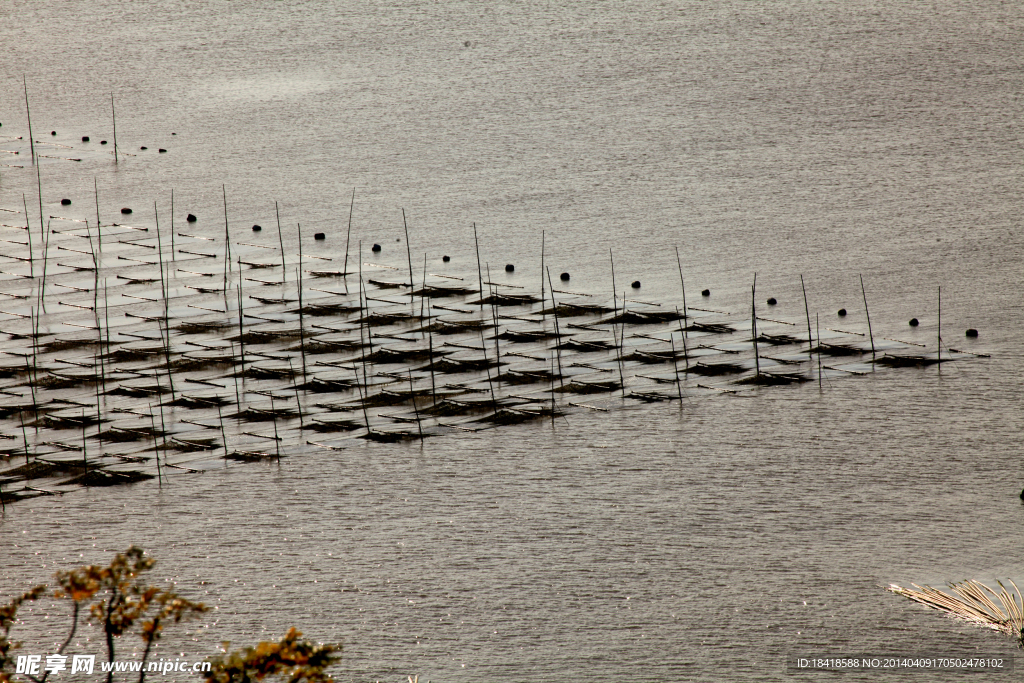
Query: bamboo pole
(28, 113)
(686, 314)
(163, 291)
(542, 271)
(675, 366)
(615, 291)
(497, 331)
(348, 238)
(408, 253)
(113, 117)
(753, 324)
(31, 251)
(818, 330)
(223, 436)
(173, 251)
(99, 230)
(295, 384)
(227, 241)
(938, 340)
(871, 336)
(280, 239)
(558, 332)
(686, 351)
(479, 271)
(807, 312)
(415, 408)
(302, 324)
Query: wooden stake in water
(302, 324)
(675, 366)
(938, 341)
(497, 331)
(163, 291)
(753, 324)
(868, 315)
(542, 271)
(280, 239)
(479, 270)
(223, 436)
(817, 329)
(807, 312)
(28, 113)
(558, 332)
(686, 315)
(415, 408)
(686, 351)
(227, 241)
(295, 384)
(348, 237)
(615, 291)
(156, 449)
(433, 383)
(99, 231)
(113, 117)
(31, 251)
(173, 251)
(85, 453)
(408, 253)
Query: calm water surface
(708, 542)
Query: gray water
(712, 541)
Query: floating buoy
(103, 142)
(706, 292)
(913, 322)
(53, 132)
(446, 258)
(972, 332)
(173, 133)
(772, 301)
(126, 210)
(509, 268)
(376, 247)
(256, 228)
(319, 236)
(636, 284)
(65, 202)
(162, 150)
(565, 277)
(191, 218)
(85, 138)
(842, 313)
(143, 147)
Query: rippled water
(708, 542)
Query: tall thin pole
(172, 225)
(156, 450)
(99, 231)
(868, 315)
(675, 366)
(280, 239)
(753, 323)
(163, 291)
(542, 271)
(558, 333)
(615, 305)
(227, 241)
(31, 251)
(807, 312)
(817, 328)
(686, 315)
(348, 236)
(408, 253)
(938, 341)
(479, 270)
(113, 117)
(31, 139)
